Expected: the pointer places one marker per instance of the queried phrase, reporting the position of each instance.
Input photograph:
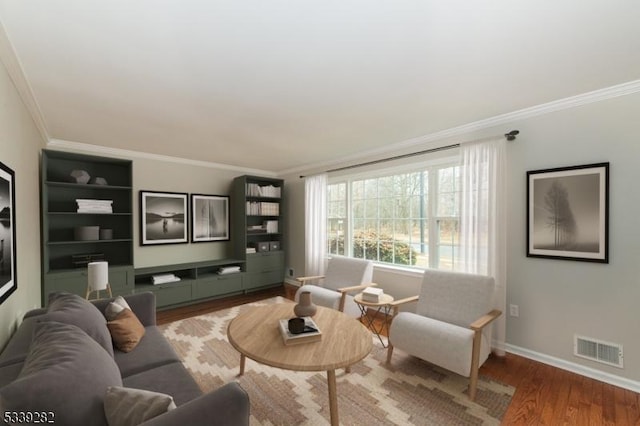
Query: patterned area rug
(409, 391)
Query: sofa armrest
(228, 405)
(142, 304)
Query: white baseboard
(592, 373)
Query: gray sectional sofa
(59, 365)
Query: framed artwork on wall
(8, 264)
(568, 213)
(163, 218)
(209, 218)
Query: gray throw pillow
(73, 309)
(130, 407)
(66, 373)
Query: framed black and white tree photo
(210, 218)
(8, 264)
(163, 218)
(568, 213)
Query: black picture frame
(164, 218)
(209, 218)
(568, 213)
(8, 263)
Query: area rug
(409, 391)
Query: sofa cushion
(18, 346)
(172, 378)
(126, 331)
(73, 309)
(67, 373)
(9, 372)
(152, 350)
(130, 407)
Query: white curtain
(483, 220)
(315, 224)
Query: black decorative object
(568, 213)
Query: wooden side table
(382, 306)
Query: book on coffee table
(295, 339)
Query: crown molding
(16, 73)
(65, 145)
(433, 140)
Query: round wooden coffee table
(345, 341)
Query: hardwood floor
(544, 395)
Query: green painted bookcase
(257, 224)
(63, 255)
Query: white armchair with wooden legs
(450, 327)
(344, 277)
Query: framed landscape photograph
(568, 213)
(209, 218)
(163, 218)
(8, 264)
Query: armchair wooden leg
(475, 364)
(389, 352)
(343, 299)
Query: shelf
(92, 186)
(270, 199)
(89, 214)
(113, 240)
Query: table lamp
(98, 278)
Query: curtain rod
(509, 136)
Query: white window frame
(433, 219)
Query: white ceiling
(280, 85)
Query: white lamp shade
(98, 274)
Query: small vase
(305, 308)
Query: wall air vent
(597, 350)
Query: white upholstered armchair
(344, 275)
(450, 325)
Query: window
(403, 218)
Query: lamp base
(89, 291)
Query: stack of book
(372, 294)
(255, 190)
(94, 206)
(312, 335)
(255, 208)
(164, 278)
(256, 229)
(228, 270)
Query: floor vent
(597, 350)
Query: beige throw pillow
(126, 330)
(130, 407)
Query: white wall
(20, 144)
(558, 298)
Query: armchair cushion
(346, 272)
(444, 344)
(454, 297)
